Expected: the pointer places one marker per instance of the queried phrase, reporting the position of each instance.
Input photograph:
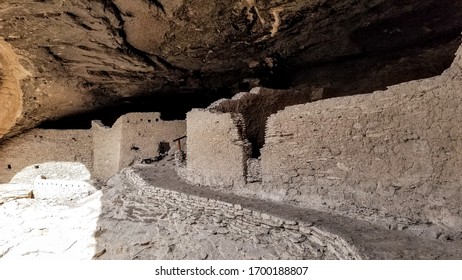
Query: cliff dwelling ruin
(231, 129)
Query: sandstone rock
(60, 58)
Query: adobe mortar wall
(133, 137)
(217, 150)
(40, 145)
(106, 149)
(142, 134)
(103, 150)
(398, 151)
(223, 137)
(257, 105)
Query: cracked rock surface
(49, 229)
(63, 57)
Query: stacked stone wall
(134, 137)
(397, 151)
(142, 133)
(223, 137)
(301, 239)
(106, 150)
(257, 105)
(103, 150)
(217, 149)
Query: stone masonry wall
(257, 105)
(103, 150)
(40, 145)
(301, 239)
(106, 149)
(143, 132)
(222, 138)
(217, 149)
(397, 151)
(134, 136)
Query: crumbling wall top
(139, 118)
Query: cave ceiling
(62, 57)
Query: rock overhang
(92, 54)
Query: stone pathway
(167, 230)
(136, 225)
(371, 241)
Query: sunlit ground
(61, 219)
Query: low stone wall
(397, 151)
(300, 238)
(217, 149)
(44, 145)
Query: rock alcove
(65, 58)
(306, 179)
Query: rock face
(63, 57)
(11, 74)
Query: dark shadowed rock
(80, 55)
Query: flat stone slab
(62, 189)
(10, 192)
